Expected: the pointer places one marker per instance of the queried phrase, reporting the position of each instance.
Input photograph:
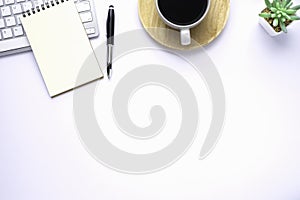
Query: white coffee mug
(185, 35)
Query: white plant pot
(268, 28)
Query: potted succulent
(278, 16)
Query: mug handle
(185, 37)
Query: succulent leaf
(283, 3)
(265, 15)
(296, 7)
(273, 9)
(286, 3)
(283, 27)
(290, 11)
(275, 22)
(282, 19)
(289, 5)
(295, 18)
(268, 3)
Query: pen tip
(109, 71)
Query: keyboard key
(10, 21)
(8, 2)
(5, 11)
(18, 1)
(16, 9)
(86, 17)
(90, 31)
(2, 25)
(0, 36)
(18, 19)
(38, 3)
(18, 31)
(27, 6)
(83, 6)
(1, 3)
(7, 33)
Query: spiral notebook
(60, 46)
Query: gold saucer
(203, 34)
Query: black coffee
(182, 12)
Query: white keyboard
(12, 36)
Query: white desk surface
(257, 157)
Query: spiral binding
(44, 6)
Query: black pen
(110, 30)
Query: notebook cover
(61, 47)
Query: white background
(41, 156)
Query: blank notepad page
(61, 47)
